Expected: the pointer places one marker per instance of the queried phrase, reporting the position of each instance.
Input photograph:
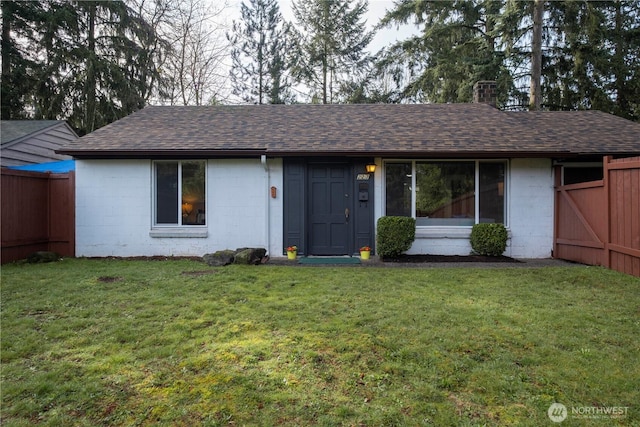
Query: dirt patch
(109, 279)
(448, 258)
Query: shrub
(395, 235)
(489, 239)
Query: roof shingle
(367, 129)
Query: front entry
(329, 209)
(328, 205)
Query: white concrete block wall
(236, 203)
(530, 208)
(114, 209)
(276, 206)
(441, 242)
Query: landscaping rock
(220, 258)
(250, 256)
(42, 256)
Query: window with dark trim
(446, 193)
(179, 192)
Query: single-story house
(193, 180)
(28, 142)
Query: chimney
(485, 92)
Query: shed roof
(357, 129)
(33, 141)
(12, 130)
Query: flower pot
(292, 254)
(365, 254)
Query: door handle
(346, 214)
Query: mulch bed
(402, 259)
(447, 258)
(150, 258)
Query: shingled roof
(27, 142)
(357, 129)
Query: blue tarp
(54, 167)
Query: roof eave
(158, 154)
(422, 154)
(190, 154)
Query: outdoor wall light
(371, 168)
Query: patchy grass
(108, 342)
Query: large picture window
(180, 193)
(446, 193)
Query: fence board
(38, 213)
(598, 222)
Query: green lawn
(106, 342)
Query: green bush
(395, 235)
(489, 239)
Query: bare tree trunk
(622, 97)
(90, 102)
(6, 55)
(325, 71)
(325, 53)
(198, 52)
(535, 97)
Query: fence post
(607, 231)
(72, 213)
(557, 181)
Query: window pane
(167, 193)
(445, 193)
(398, 189)
(492, 192)
(193, 193)
(575, 175)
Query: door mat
(329, 260)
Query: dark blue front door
(329, 209)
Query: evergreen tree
(459, 46)
(332, 44)
(594, 57)
(18, 65)
(586, 56)
(84, 61)
(261, 56)
(110, 67)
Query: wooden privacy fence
(38, 213)
(598, 222)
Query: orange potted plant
(292, 252)
(365, 252)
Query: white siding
(114, 209)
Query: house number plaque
(363, 177)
